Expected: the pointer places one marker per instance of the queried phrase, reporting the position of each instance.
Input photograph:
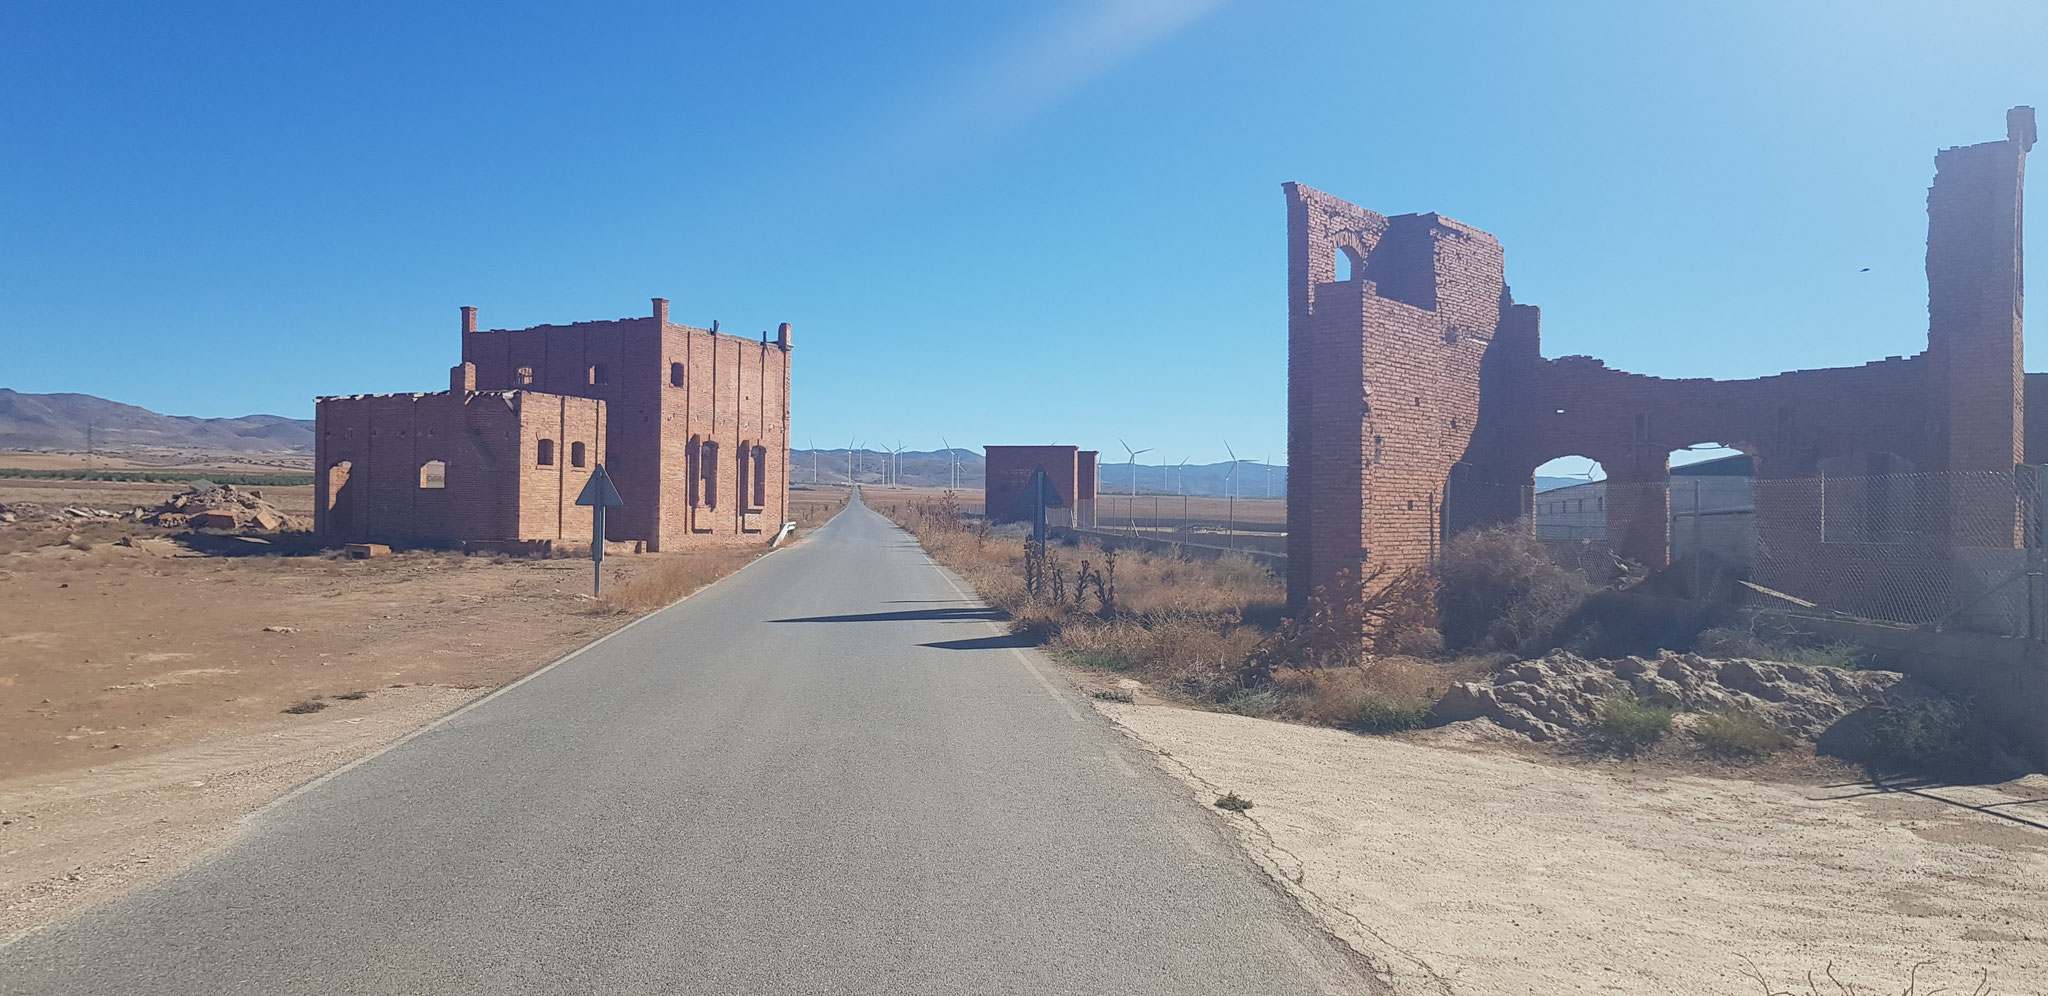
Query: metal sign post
(598, 494)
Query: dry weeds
(672, 578)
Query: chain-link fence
(1944, 550)
(1947, 550)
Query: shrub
(1113, 695)
(302, 708)
(1233, 802)
(1739, 733)
(1101, 660)
(1632, 722)
(1258, 705)
(1921, 733)
(1498, 589)
(1380, 713)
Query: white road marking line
(251, 817)
(1018, 652)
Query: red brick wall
(1419, 403)
(1009, 469)
(494, 488)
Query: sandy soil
(143, 686)
(1464, 868)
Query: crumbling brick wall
(1420, 404)
(691, 425)
(372, 454)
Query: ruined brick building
(1071, 470)
(692, 426)
(1420, 403)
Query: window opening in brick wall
(434, 474)
(525, 376)
(693, 454)
(708, 462)
(742, 464)
(760, 477)
(575, 454)
(599, 375)
(675, 375)
(546, 455)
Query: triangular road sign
(599, 491)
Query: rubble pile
(1554, 697)
(219, 506)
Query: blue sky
(1000, 223)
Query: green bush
(1739, 733)
(1113, 695)
(1233, 802)
(1630, 721)
(1921, 733)
(1258, 705)
(1101, 660)
(1378, 713)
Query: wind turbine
(952, 466)
(896, 462)
(1269, 473)
(1134, 480)
(1230, 488)
(813, 445)
(1180, 487)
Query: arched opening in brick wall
(544, 455)
(524, 376)
(599, 374)
(576, 454)
(434, 475)
(676, 374)
(1348, 263)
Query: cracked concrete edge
(1397, 972)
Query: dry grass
(673, 577)
(811, 509)
(1204, 631)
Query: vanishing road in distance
(828, 773)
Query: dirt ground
(144, 686)
(1466, 868)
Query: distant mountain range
(61, 422)
(932, 468)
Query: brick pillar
(1974, 302)
(660, 311)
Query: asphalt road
(828, 773)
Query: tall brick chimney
(661, 311)
(468, 320)
(782, 336)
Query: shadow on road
(903, 615)
(981, 643)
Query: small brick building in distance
(1419, 401)
(1071, 470)
(692, 426)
